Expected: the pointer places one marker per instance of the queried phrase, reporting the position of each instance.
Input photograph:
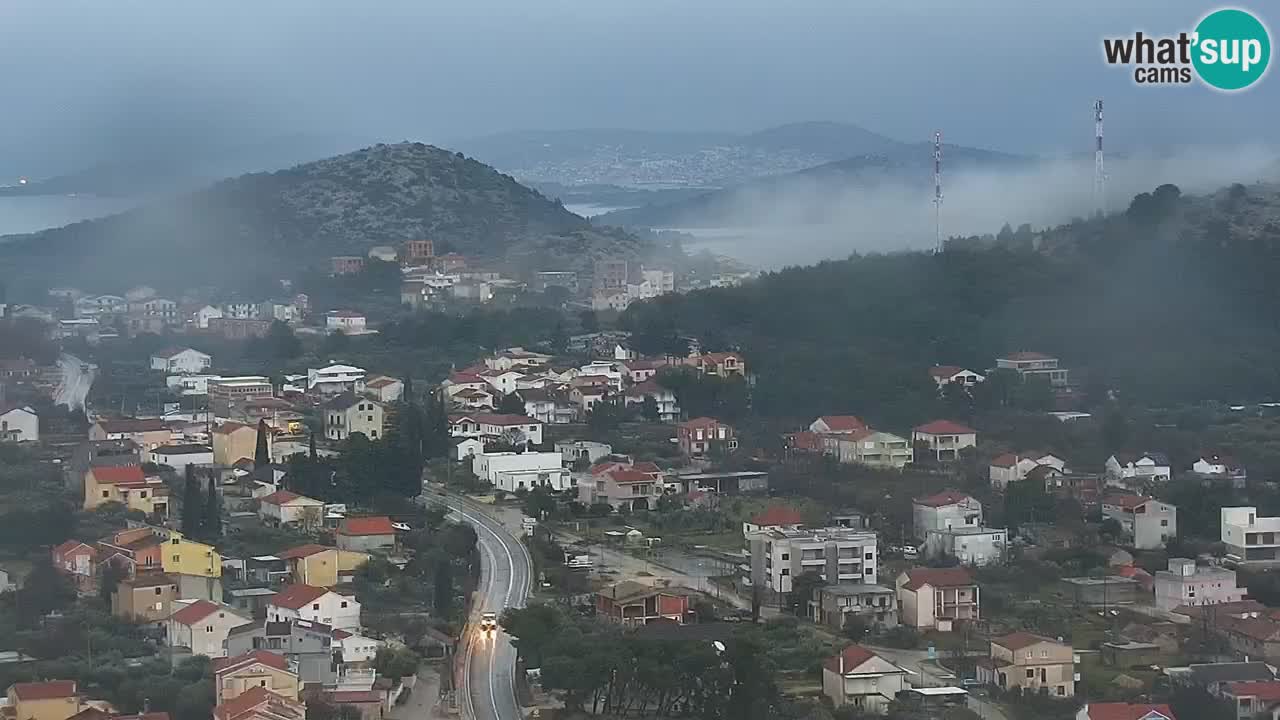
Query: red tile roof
(375, 525)
(946, 497)
(1020, 640)
(44, 690)
(350, 697)
(1264, 690)
(256, 697)
(778, 515)
(646, 467)
(195, 612)
(1006, 460)
(938, 577)
(945, 427)
(279, 497)
(804, 440)
(302, 551)
(296, 596)
(1127, 501)
(854, 656)
(1128, 711)
(72, 545)
(119, 475)
(700, 422)
(132, 425)
(264, 657)
(944, 371)
(843, 423)
(1027, 355)
(624, 476)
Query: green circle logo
(1232, 49)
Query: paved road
(927, 673)
(487, 686)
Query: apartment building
(1148, 521)
(227, 391)
(836, 554)
(946, 510)
(1035, 365)
(1249, 537)
(1186, 583)
(872, 448)
(936, 598)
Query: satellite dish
(719, 646)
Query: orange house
(633, 603)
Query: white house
(336, 379)
(348, 414)
(384, 389)
(180, 456)
(945, 439)
(509, 471)
(1219, 466)
(202, 627)
(1127, 711)
(859, 678)
(1148, 521)
(1186, 583)
(205, 314)
(345, 321)
(493, 427)
(190, 384)
(945, 375)
(1248, 536)
(19, 424)
(355, 648)
(180, 361)
(467, 447)
(288, 508)
(317, 604)
(970, 545)
(504, 381)
(947, 510)
(663, 398)
(573, 450)
(1125, 469)
(1013, 467)
(937, 597)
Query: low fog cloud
(812, 219)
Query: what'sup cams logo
(1228, 50)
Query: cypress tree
(213, 514)
(261, 456)
(192, 505)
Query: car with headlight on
(489, 624)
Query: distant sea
(40, 212)
(587, 210)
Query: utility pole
(1099, 169)
(937, 190)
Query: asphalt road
(487, 685)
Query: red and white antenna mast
(1099, 169)
(937, 190)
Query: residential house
(147, 597)
(946, 510)
(226, 392)
(255, 670)
(1035, 365)
(335, 380)
(1133, 470)
(632, 603)
(356, 649)
(202, 627)
(135, 550)
(180, 361)
(1148, 521)
(1084, 488)
(623, 486)
(641, 370)
(837, 555)
(233, 441)
(945, 439)
(21, 368)
(663, 399)
(128, 485)
(803, 441)
(206, 313)
(479, 400)
(322, 566)
(775, 517)
(384, 389)
(872, 448)
(309, 647)
(148, 434)
(935, 598)
(493, 427)
(1014, 467)
(945, 375)
(179, 455)
(19, 423)
(876, 606)
(348, 414)
(1251, 699)
(1249, 537)
(859, 678)
(586, 392)
(366, 534)
(1030, 663)
(50, 700)
(1251, 636)
(347, 322)
(288, 508)
(78, 560)
(701, 436)
(512, 471)
(1124, 711)
(317, 604)
(544, 405)
(838, 425)
(503, 381)
(572, 451)
(970, 545)
(1219, 467)
(346, 264)
(260, 704)
(417, 252)
(184, 558)
(1185, 583)
(719, 364)
(460, 381)
(466, 448)
(99, 453)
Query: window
(157, 591)
(1062, 689)
(177, 558)
(786, 571)
(315, 606)
(869, 556)
(208, 628)
(106, 493)
(1164, 523)
(786, 556)
(344, 603)
(1031, 673)
(1044, 653)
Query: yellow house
(53, 700)
(233, 441)
(128, 485)
(254, 669)
(321, 565)
(188, 557)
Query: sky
(85, 79)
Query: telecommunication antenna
(1099, 169)
(937, 191)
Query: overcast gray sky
(79, 76)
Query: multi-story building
(316, 604)
(875, 605)
(309, 647)
(664, 400)
(632, 603)
(336, 379)
(233, 441)
(700, 436)
(946, 510)
(366, 534)
(1249, 537)
(945, 439)
(1185, 583)
(1034, 365)
(129, 486)
(936, 598)
(493, 427)
(512, 471)
(836, 554)
(1128, 469)
(147, 433)
(1251, 699)
(201, 627)
(632, 487)
(345, 321)
(224, 392)
(872, 448)
(18, 424)
(78, 560)
(346, 264)
(970, 545)
(1030, 663)
(1014, 467)
(418, 252)
(255, 671)
(147, 597)
(180, 361)
(321, 565)
(610, 275)
(50, 700)
(259, 703)
(861, 679)
(1148, 521)
(838, 425)
(239, 328)
(348, 413)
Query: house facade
(366, 534)
(837, 555)
(147, 433)
(202, 627)
(1031, 663)
(946, 510)
(1148, 521)
(624, 488)
(254, 671)
(872, 448)
(349, 413)
(632, 603)
(945, 439)
(495, 427)
(976, 546)
(1128, 469)
(861, 679)
(129, 486)
(936, 598)
(181, 361)
(19, 424)
(700, 436)
(288, 508)
(1248, 536)
(320, 565)
(1186, 583)
(876, 606)
(1014, 467)
(317, 604)
(1035, 365)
